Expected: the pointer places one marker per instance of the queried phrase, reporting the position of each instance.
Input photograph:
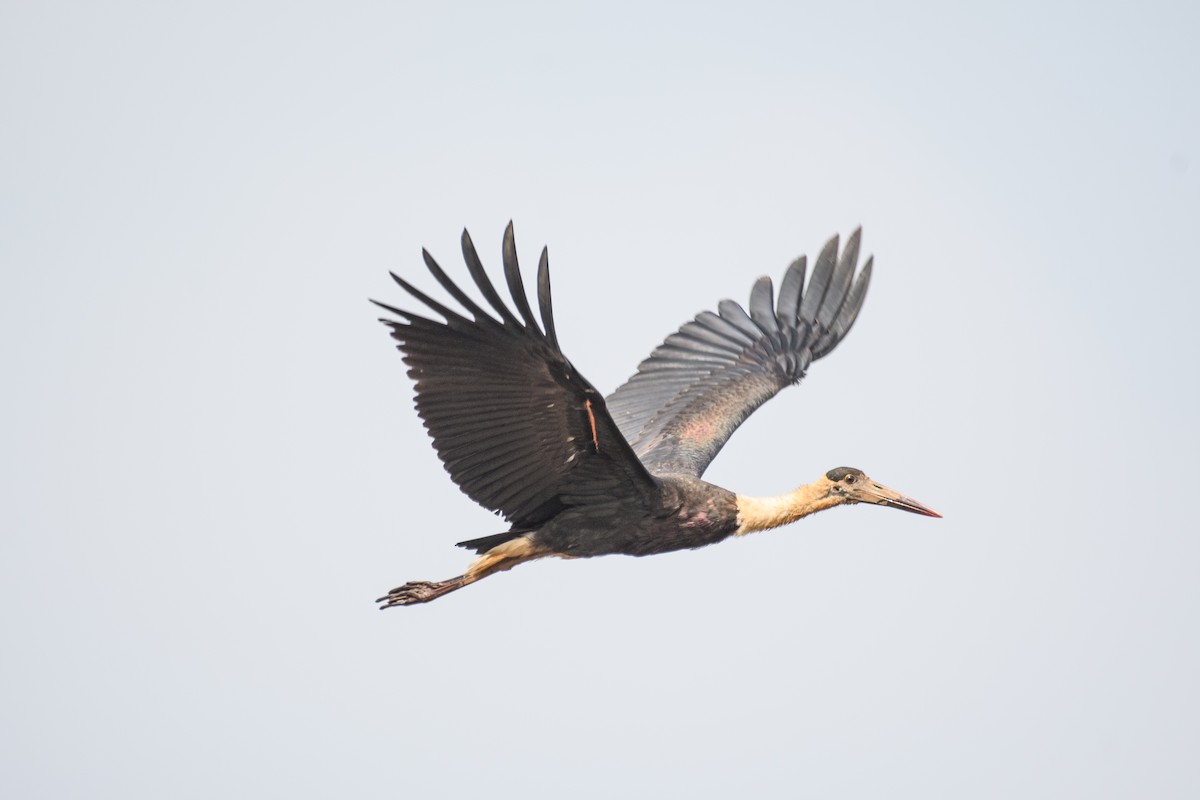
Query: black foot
(417, 592)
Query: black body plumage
(685, 512)
(524, 434)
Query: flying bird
(575, 474)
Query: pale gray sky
(211, 464)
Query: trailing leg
(500, 558)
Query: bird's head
(850, 485)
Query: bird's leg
(500, 558)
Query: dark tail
(486, 543)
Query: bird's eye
(850, 479)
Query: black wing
(699, 385)
(517, 427)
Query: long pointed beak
(881, 495)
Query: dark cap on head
(837, 473)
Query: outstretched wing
(517, 427)
(699, 385)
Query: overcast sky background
(211, 465)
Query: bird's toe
(409, 593)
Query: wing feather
(736, 316)
(762, 305)
(544, 304)
(512, 275)
(849, 313)
(814, 295)
(479, 275)
(839, 283)
(790, 290)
